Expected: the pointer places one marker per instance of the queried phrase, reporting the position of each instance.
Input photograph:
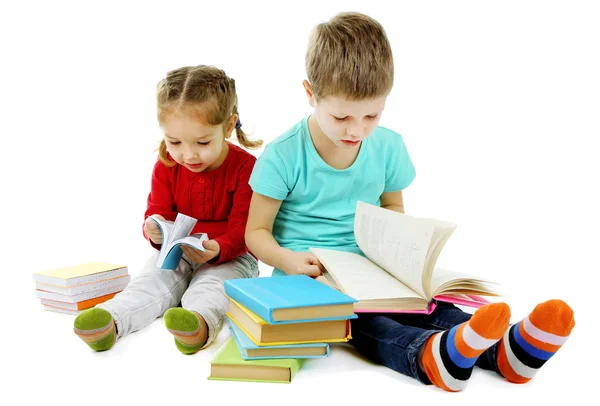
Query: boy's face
(348, 122)
(197, 146)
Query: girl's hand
(152, 229)
(303, 263)
(212, 251)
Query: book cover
(83, 287)
(249, 350)
(290, 299)
(85, 304)
(265, 334)
(62, 310)
(81, 273)
(227, 364)
(79, 297)
(175, 234)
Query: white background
(498, 104)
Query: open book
(398, 272)
(177, 233)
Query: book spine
(249, 302)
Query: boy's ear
(309, 93)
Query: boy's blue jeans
(394, 339)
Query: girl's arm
(260, 241)
(232, 244)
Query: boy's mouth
(351, 143)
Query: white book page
(194, 241)
(360, 278)
(442, 277)
(396, 242)
(182, 227)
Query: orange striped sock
(96, 328)
(527, 345)
(185, 325)
(449, 356)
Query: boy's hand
(303, 263)
(325, 281)
(152, 229)
(212, 251)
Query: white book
(84, 287)
(79, 297)
(61, 310)
(81, 273)
(398, 273)
(175, 234)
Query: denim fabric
(394, 340)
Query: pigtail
(163, 155)
(243, 139)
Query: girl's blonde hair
(207, 91)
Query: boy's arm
(260, 241)
(392, 201)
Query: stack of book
(278, 322)
(75, 288)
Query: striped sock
(96, 328)
(185, 326)
(527, 345)
(449, 356)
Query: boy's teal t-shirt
(318, 201)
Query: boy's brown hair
(350, 56)
(202, 90)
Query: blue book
(175, 234)
(290, 299)
(249, 350)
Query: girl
(200, 174)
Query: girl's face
(197, 146)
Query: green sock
(96, 328)
(185, 326)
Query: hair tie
(238, 124)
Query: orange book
(85, 304)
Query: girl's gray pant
(198, 287)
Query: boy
(306, 185)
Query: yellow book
(265, 334)
(82, 273)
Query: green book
(228, 365)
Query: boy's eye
(174, 142)
(372, 117)
(340, 118)
(204, 143)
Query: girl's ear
(309, 93)
(230, 125)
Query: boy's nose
(356, 131)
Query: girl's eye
(174, 142)
(372, 117)
(340, 119)
(204, 143)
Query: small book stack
(75, 288)
(278, 322)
